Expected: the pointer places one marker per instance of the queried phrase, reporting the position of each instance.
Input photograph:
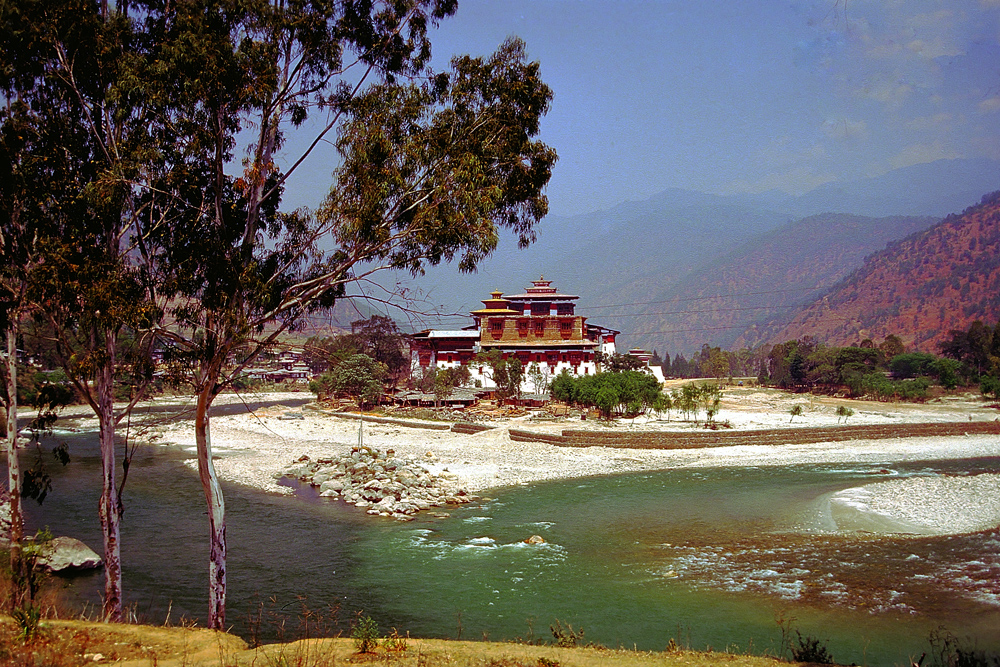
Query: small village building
(645, 356)
(540, 327)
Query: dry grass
(78, 643)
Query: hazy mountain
(934, 188)
(685, 245)
(761, 280)
(917, 288)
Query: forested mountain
(639, 263)
(917, 288)
(764, 279)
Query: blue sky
(748, 96)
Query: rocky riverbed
(380, 483)
(254, 444)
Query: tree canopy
(159, 234)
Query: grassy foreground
(76, 643)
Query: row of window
(524, 326)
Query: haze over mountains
(683, 268)
(917, 288)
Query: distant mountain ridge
(918, 288)
(680, 245)
(767, 277)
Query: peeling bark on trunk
(216, 513)
(109, 510)
(13, 465)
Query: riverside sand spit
(257, 437)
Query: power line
(706, 298)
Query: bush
(365, 634)
(810, 649)
(990, 387)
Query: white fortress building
(538, 327)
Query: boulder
(68, 553)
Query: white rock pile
(382, 484)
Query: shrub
(810, 649)
(990, 386)
(365, 634)
(566, 636)
(845, 412)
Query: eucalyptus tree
(76, 67)
(432, 167)
(17, 242)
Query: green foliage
(989, 386)
(796, 411)
(365, 634)
(685, 399)
(616, 363)
(26, 581)
(41, 389)
(506, 374)
(862, 369)
(713, 362)
(877, 387)
(562, 387)
(566, 637)
(976, 348)
(446, 379)
(810, 649)
(710, 395)
(379, 337)
(359, 376)
(947, 650)
(625, 393)
(923, 364)
(394, 642)
(845, 412)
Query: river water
(710, 557)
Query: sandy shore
(256, 437)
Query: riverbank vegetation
(74, 643)
(884, 371)
(126, 227)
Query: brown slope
(918, 289)
(764, 279)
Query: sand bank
(255, 442)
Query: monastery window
(565, 309)
(540, 328)
(566, 327)
(539, 308)
(522, 328)
(496, 328)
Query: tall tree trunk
(13, 465)
(216, 511)
(109, 510)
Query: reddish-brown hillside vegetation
(918, 288)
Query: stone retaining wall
(777, 436)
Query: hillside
(917, 288)
(762, 280)
(677, 245)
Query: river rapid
(721, 558)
